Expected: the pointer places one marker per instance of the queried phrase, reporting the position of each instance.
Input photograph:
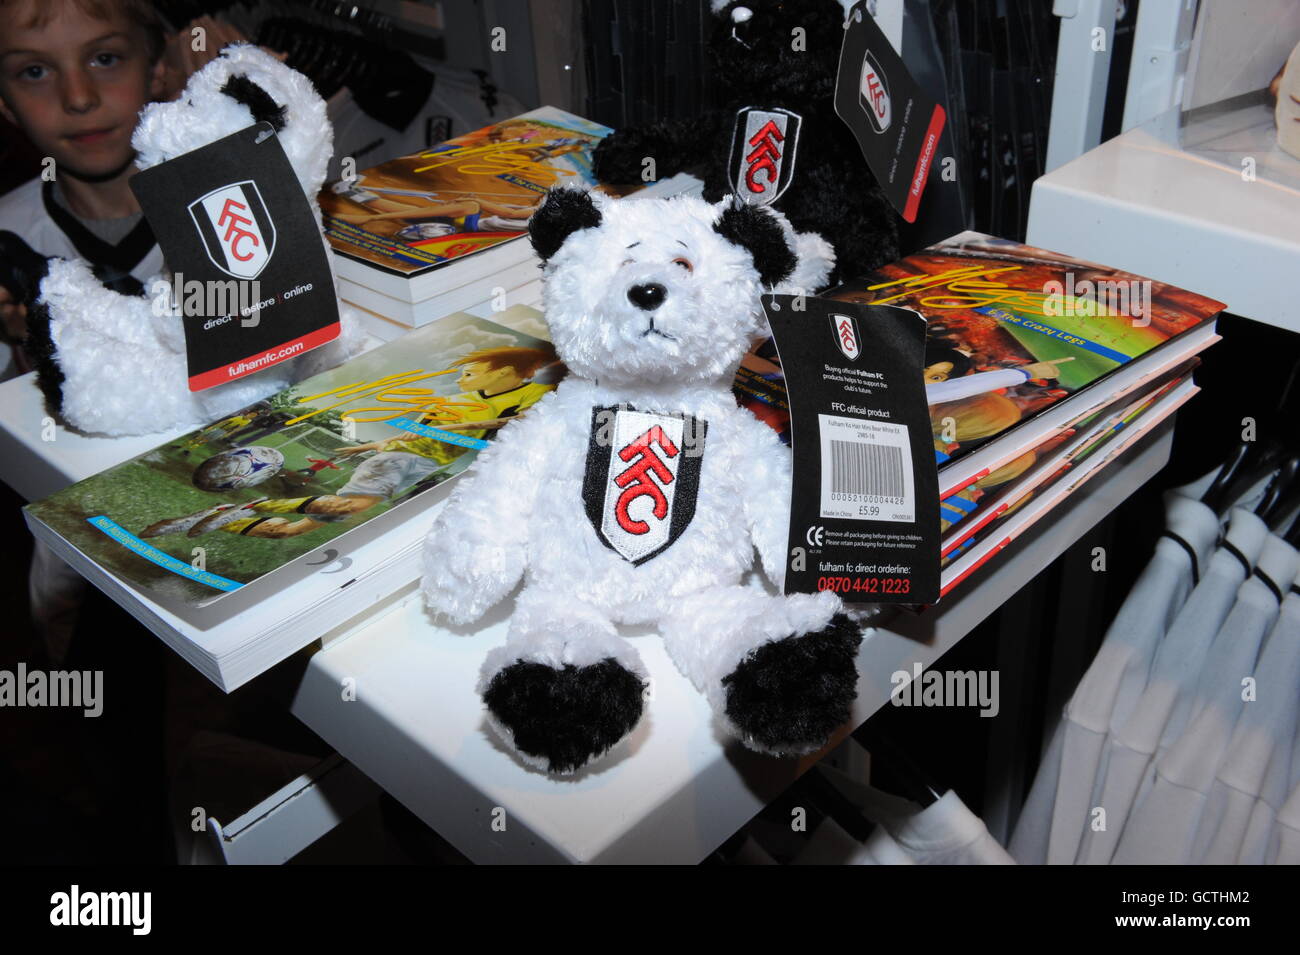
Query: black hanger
(829, 801)
(1282, 496)
(1250, 463)
(1292, 536)
(916, 784)
(1227, 471)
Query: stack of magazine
(1041, 370)
(418, 237)
(244, 541)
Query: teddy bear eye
(684, 263)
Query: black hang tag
(864, 515)
(895, 123)
(249, 268)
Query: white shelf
(672, 792)
(39, 457)
(1184, 216)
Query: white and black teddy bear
(112, 362)
(637, 492)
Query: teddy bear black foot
(788, 696)
(564, 718)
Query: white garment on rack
(831, 845)
(1028, 843)
(945, 832)
(1286, 848)
(1174, 675)
(1111, 686)
(1163, 828)
(1221, 653)
(1260, 755)
(1295, 761)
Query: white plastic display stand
(1199, 218)
(397, 699)
(290, 819)
(1079, 85)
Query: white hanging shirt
(1258, 753)
(1114, 681)
(1028, 844)
(1265, 757)
(944, 833)
(1174, 675)
(1164, 824)
(831, 845)
(1286, 848)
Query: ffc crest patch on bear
(763, 149)
(642, 479)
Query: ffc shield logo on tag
(642, 479)
(236, 229)
(763, 148)
(846, 335)
(873, 93)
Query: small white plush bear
(113, 363)
(638, 492)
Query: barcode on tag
(866, 470)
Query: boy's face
(75, 85)
(480, 376)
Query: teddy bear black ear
(259, 102)
(562, 213)
(758, 230)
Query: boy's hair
(143, 13)
(525, 361)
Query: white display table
(39, 457)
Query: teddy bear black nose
(647, 297)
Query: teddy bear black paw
(788, 696)
(564, 718)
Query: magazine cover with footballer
(1012, 330)
(215, 509)
(414, 213)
